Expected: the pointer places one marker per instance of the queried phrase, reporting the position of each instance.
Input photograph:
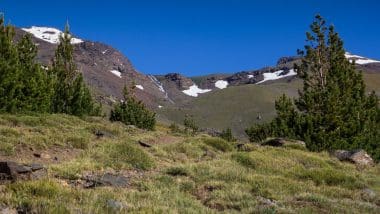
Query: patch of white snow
(116, 72)
(48, 34)
(139, 87)
(194, 90)
(359, 59)
(250, 76)
(160, 106)
(277, 75)
(221, 84)
(157, 83)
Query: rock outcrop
(12, 171)
(359, 157)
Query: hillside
(178, 173)
(217, 100)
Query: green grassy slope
(178, 174)
(372, 81)
(236, 107)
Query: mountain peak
(49, 34)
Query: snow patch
(194, 90)
(139, 87)
(116, 72)
(48, 34)
(250, 76)
(359, 59)
(157, 83)
(221, 84)
(277, 75)
(160, 106)
(104, 52)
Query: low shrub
(218, 144)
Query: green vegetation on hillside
(179, 173)
(130, 111)
(71, 95)
(333, 109)
(25, 86)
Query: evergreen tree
(333, 110)
(71, 94)
(10, 86)
(190, 124)
(133, 112)
(36, 82)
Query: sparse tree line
(27, 86)
(333, 110)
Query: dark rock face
(359, 157)
(180, 81)
(12, 171)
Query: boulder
(12, 171)
(359, 157)
(280, 142)
(106, 179)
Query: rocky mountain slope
(104, 68)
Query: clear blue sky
(203, 36)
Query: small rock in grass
(106, 179)
(147, 145)
(280, 142)
(116, 205)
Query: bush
(218, 144)
(227, 135)
(190, 124)
(133, 112)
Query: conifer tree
(36, 83)
(333, 110)
(10, 86)
(71, 94)
(131, 111)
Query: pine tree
(333, 110)
(133, 112)
(10, 86)
(71, 94)
(36, 82)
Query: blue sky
(196, 37)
